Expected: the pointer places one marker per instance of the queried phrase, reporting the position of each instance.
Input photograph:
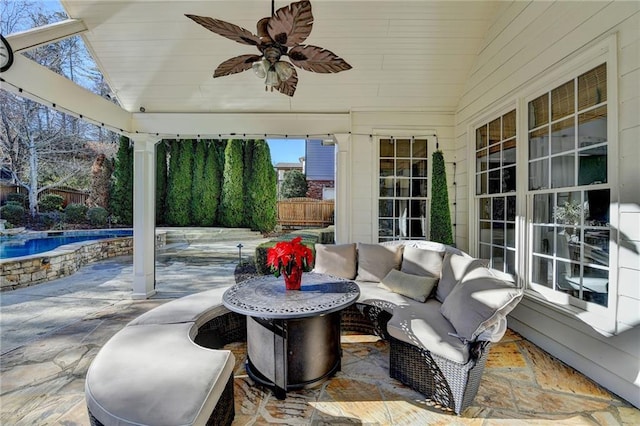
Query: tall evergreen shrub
(161, 182)
(179, 183)
(261, 189)
(232, 200)
(294, 184)
(198, 208)
(121, 204)
(440, 215)
(211, 184)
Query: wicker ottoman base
(451, 385)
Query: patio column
(343, 189)
(144, 218)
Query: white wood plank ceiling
(406, 55)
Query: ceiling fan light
(272, 78)
(284, 70)
(260, 68)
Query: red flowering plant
(288, 256)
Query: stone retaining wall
(63, 261)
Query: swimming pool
(18, 246)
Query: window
(568, 188)
(495, 188)
(402, 197)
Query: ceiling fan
(279, 35)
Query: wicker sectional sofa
(439, 308)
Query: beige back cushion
(423, 262)
(375, 261)
(338, 260)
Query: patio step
(209, 235)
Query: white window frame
(600, 317)
(404, 133)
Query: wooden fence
(305, 212)
(70, 196)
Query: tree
(161, 182)
(100, 182)
(211, 184)
(294, 184)
(231, 203)
(261, 189)
(179, 184)
(122, 196)
(198, 209)
(440, 215)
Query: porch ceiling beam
(31, 80)
(45, 34)
(299, 125)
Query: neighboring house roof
(288, 166)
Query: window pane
(497, 258)
(563, 136)
(497, 236)
(542, 271)
(386, 167)
(592, 87)
(403, 147)
(596, 247)
(539, 111)
(385, 228)
(494, 182)
(511, 262)
(498, 208)
(542, 208)
(386, 187)
(511, 208)
(481, 161)
(509, 152)
(595, 284)
(597, 207)
(402, 187)
(403, 168)
(592, 127)
(510, 240)
(539, 174)
(420, 148)
(562, 101)
(563, 171)
(386, 148)
(509, 179)
(485, 251)
(538, 143)
(569, 209)
(485, 233)
(494, 157)
(481, 137)
(485, 208)
(494, 131)
(593, 166)
(385, 208)
(417, 219)
(544, 239)
(481, 183)
(568, 278)
(419, 188)
(509, 125)
(419, 168)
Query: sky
(286, 150)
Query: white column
(343, 189)
(144, 218)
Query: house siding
(525, 43)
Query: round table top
(266, 296)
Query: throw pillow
(417, 261)
(454, 267)
(375, 261)
(479, 304)
(338, 260)
(415, 287)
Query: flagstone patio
(51, 332)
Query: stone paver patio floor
(51, 332)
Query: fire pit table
(293, 336)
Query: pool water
(17, 247)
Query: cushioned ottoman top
(156, 375)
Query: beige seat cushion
(375, 261)
(422, 325)
(338, 260)
(156, 375)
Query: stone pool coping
(64, 260)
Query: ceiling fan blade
(288, 87)
(291, 25)
(262, 30)
(236, 65)
(226, 29)
(317, 59)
